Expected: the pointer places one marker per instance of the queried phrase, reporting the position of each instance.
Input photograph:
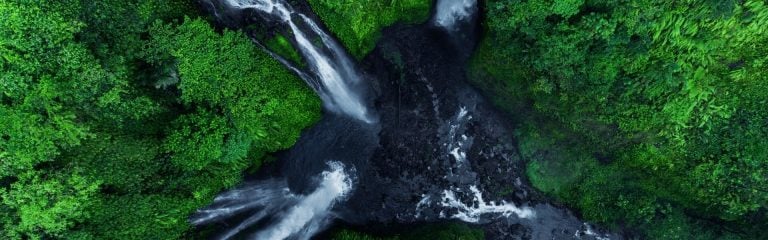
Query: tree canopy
(657, 104)
(120, 118)
(358, 23)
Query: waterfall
(331, 73)
(451, 201)
(269, 207)
(294, 216)
(312, 210)
(449, 12)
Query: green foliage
(448, 231)
(669, 95)
(237, 78)
(156, 216)
(358, 23)
(119, 162)
(120, 118)
(442, 231)
(558, 162)
(47, 205)
(37, 65)
(346, 234)
(198, 142)
(281, 46)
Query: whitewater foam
(311, 210)
(449, 12)
(479, 207)
(299, 216)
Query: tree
(121, 118)
(663, 92)
(358, 23)
(47, 204)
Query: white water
(449, 12)
(478, 207)
(298, 216)
(333, 74)
(312, 210)
(588, 231)
(459, 143)
(450, 201)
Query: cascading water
(450, 12)
(269, 208)
(311, 213)
(331, 74)
(417, 159)
(300, 216)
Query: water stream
(450, 12)
(404, 143)
(292, 215)
(331, 73)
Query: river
(403, 140)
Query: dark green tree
(667, 95)
(358, 23)
(120, 118)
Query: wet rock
(427, 148)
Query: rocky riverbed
(438, 151)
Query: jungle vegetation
(642, 114)
(120, 118)
(442, 231)
(358, 23)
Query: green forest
(118, 119)
(643, 114)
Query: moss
(504, 82)
(555, 164)
(281, 46)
